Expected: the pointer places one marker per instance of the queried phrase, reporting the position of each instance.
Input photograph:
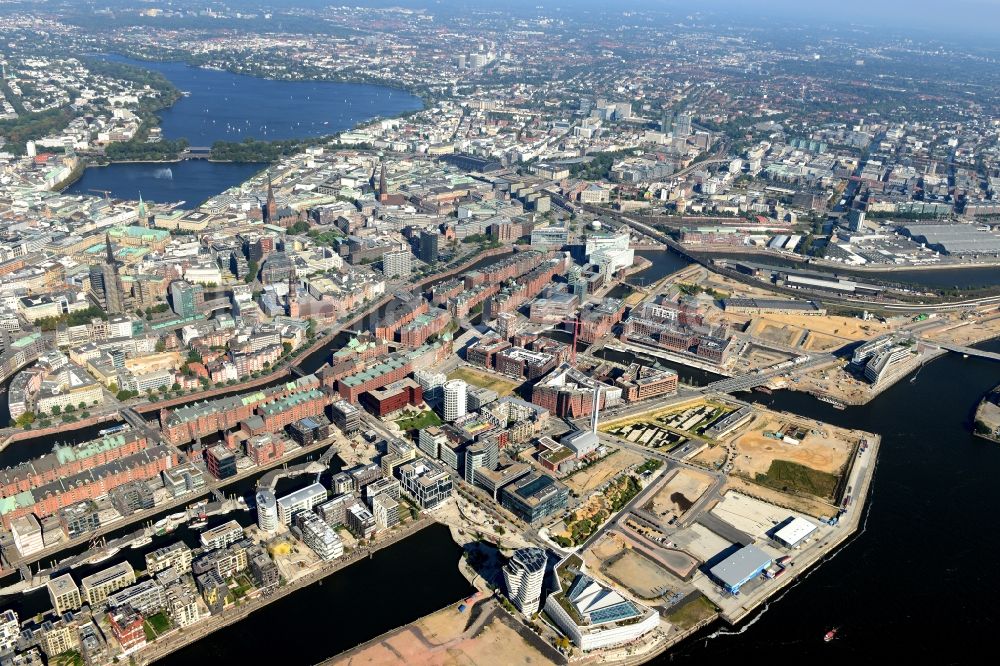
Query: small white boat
(141, 541)
(102, 555)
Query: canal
(38, 601)
(917, 572)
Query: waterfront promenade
(183, 637)
(147, 514)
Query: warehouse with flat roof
(740, 568)
(793, 531)
(954, 238)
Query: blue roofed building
(740, 568)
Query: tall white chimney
(596, 407)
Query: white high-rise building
(397, 263)
(267, 511)
(455, 396)
(523, 575)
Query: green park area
(692, 610)
(791, 477)
(501, 385)
(419, 421)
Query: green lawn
(788, 476)
(420, 421)
(502, 386)
(691, 611)
(155, 625)
(68, 658)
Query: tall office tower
(455, 394)
(523, 575)
(682, 127)
(429, 241)
(186, 297)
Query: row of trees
(72, 319)
(252, 150)
(139, 150)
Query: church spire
(383, 189)
(142, 210)
(108, 247)
(271, 208)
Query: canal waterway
(914, 582)
(222, 106)
(396, 586)
(38, 601)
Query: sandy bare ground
(607, 547)
(836, 383)
(710, 456)
(966, 333)
(640, 574)
(820, 342)
(826, 454)
(438, 640)
(848, 328)
(777, 332)
(584, 481)
(989, 413)
(809, 506)
(679, 493)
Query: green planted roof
(65, 454)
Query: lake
(221, 106)
(190, 181)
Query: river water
(915, 583)
(970, 277)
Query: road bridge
(134, 419)
(967, 351)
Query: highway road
(754, 379)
